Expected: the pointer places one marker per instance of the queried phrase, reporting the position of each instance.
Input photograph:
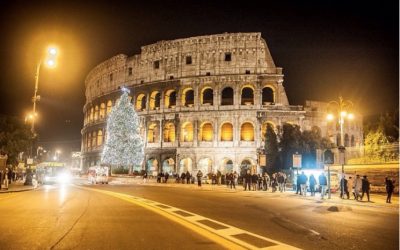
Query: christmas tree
(123, 145)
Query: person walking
(199, 177)
(344, 187)
(357, 187)
(312, 181)
(298, 190)
(188, 177)
(145, 177)
(365, 187)
(303, 184)
(389, 189)
(231, 178)
(322, 182)
(350, 187)
(247, 181)
(166, 176)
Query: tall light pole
(342, 110)
(50, 61)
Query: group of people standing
(359, 187)
(301, 184)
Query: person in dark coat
(344, 188)
(183, 177)
(188, 177)
(254, 179)
(389, 189)
(166, 176)
(312, 183)
(199, 177)
(247, 181)
(298, 180)
(365, 187)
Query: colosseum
(204, 103)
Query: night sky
(326, 48)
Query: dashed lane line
(223, 234)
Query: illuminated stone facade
(203, 102)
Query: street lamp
(56, 155)
(50, 61)
(342, 110)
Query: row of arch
(205, 164)
(99, 112)
(206, 97)
(225, 132)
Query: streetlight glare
(329, 117)
(53, 51)
(350, 116)
(343, 114)
(51, 63)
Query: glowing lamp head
(343, 114)
(350, 116)
(53, 51)
(51, 63)
(329, 117)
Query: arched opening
(227, 132)
(245, 166)
(99, 137)
(207, 96)
(205, 165)
(168, 166)
(346, 140)
(109, 106)
(89, 140)
(141, 102)
(247, 132)
(169, 132)
(227, 96)
(155, 98)
(96, 113)
(206, 132)
(152, 133)
(102, 110)
(94, 138)
(185, 165)
(267, 95)
(91, 114)
(353, 142)
(188, 97)
(247, 96)
(170, 99)
(227, 166)
(187, 132)
(152, 166)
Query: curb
(17, 191)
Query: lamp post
(342, 110)
(50, 61)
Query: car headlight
(64, 178)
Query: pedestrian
(199, 177)
(166, 176)
(365, 187)
(219, 177)
(231, 178)
(281, 181)
(303, 184)
(189, 177)
(322, 183)
(343, 187)
(389, 189)
(183, 177)
(298, 190)
(350, 187)
(235, 178)
(312, 181)
(254, 179)
(357, 187)
(6, 178)
(247, 181)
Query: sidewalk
(16, 187)
(377, 200)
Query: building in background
(204, 103)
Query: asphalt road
(85, 217)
